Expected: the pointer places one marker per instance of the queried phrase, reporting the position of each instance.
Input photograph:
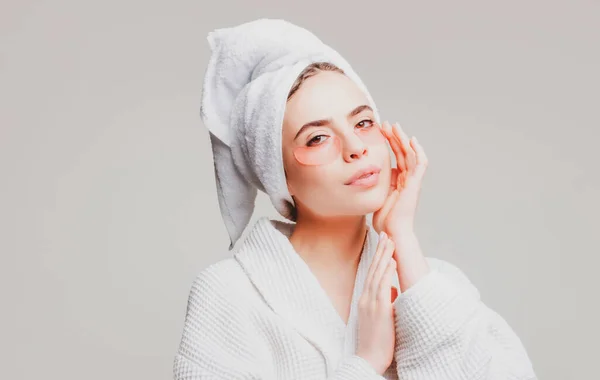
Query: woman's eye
(363, 121)
(315, 140)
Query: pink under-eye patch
(319, 154)
(327, 151)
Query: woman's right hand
(376, 329)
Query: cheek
(316, 177)
(315, 185)
(301, 176)
(386, 156)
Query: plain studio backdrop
(108, 202)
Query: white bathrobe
(262, 314)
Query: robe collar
(290, 288)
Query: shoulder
(219, 277)
(218, 308)
(220, 284)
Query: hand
(376, 329)
(399, 208)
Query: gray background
(108, 206)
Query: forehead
(325, 95)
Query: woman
(319, 298)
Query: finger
(382, 266)
(395, 130)
(389, 202)
(384, 292)
(401, 181)
(393, 180)
(397, 148)
(421, 156)
(384, 210)
(376, 257)
(411, 158)
(409, 153)
(395, 145)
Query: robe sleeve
(355, 368)
(445, 331)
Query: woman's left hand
(398, 212)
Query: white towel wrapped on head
(249, 75)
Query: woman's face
(320, 159)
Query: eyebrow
(320, 123)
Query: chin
(368, 201)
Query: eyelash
(362, 121)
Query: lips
(363, 173)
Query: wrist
(405, 239)
(411, 262)
(400, 230)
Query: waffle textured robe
(262, 314)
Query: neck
(330, 242)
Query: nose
(354, 148)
